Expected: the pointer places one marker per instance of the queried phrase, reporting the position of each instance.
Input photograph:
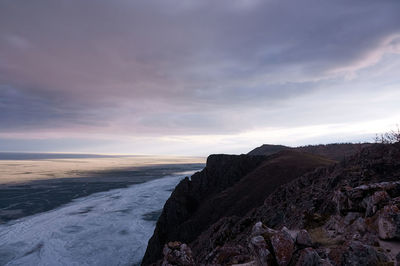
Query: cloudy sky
(195, 76)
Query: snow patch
(106, 228)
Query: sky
(194, 77)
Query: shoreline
(18, 200)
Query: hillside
(336, 151)
(351, 212)
(229, 185)
(312, 212)
(268, 149)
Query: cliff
(228, 185)
(351, 212)
(289, 208)
(221, 172)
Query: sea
(66, 209)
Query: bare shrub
(389, 137)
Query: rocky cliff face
(338, 214)
(175, 223)
(229, 185)
(346, 214)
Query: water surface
(83, 210)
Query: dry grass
(320, 237)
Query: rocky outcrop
(176, 253)
(266, 247)
(342, 214)
(349, 210)
(229, 185)
(175, 223)
(278, 247)
(389, 222)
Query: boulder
(365, 198)
(283, 247)
(359, 225)
(389, 222)
(228, 255)
(358, 253)
(308, 257)
(259, 249)
(176, 253)
(292, 233)
(260, 229)
(376, 201)
(303, 238)
(335, 254)
(351, 217)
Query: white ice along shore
(105, 228)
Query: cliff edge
(228, 185)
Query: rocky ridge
(342, 214)
(336, 151)
(222, 190)
(221, 172)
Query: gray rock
(260, 229)
(374, 202)
(358, 225)
(303, 238)
(351, 217)
(308, 257)
(389, 222)
(176, 253)
(358, 253)
(258, 247)
(283, 246)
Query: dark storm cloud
(23, 110)
(178, 66)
